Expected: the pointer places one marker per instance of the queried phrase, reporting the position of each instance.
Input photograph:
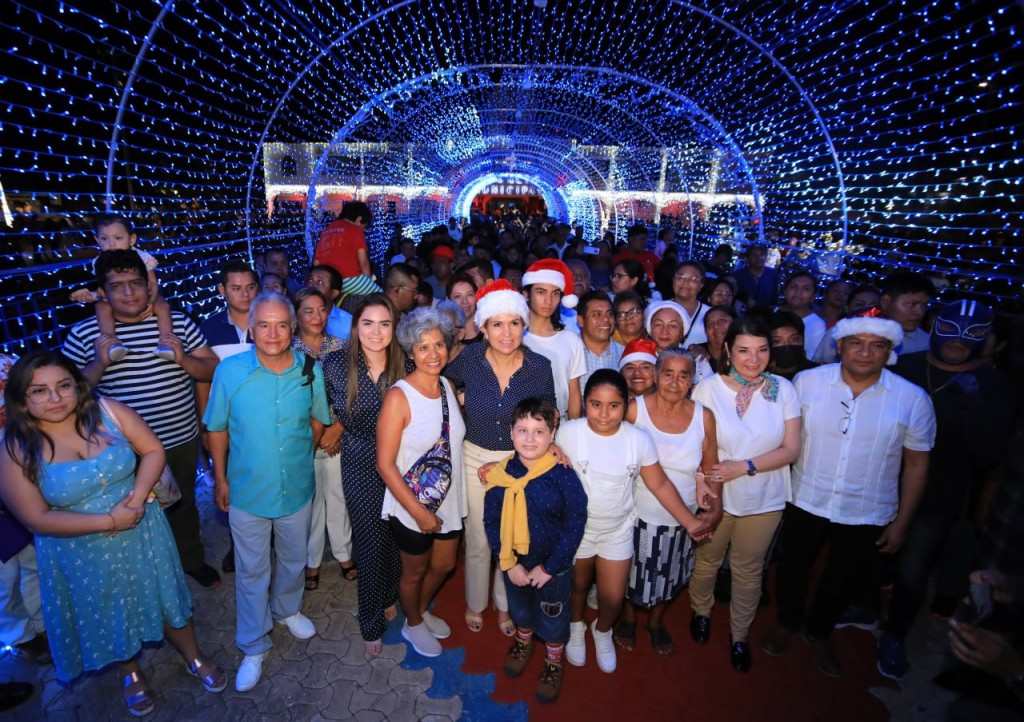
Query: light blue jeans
(259, 597)
(21, 613)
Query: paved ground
(329, 678)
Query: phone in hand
(977, 607)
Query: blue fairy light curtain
(884, 134)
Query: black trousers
(184, 515)
(851, 548)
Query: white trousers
(478, 550)
(21, 612)
(329, 514)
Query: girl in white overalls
(609, 455)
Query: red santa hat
(556, 273)
(639, 349)
(499, 297)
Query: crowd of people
(602, 425)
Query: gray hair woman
(417, 411)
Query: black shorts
(414, 542)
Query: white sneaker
(576, 649)
(592, 597)
(436, 626)
(421, 639)
(249, 672)
(164, 352)
(299, 625)
(117, 352)
(604, 649)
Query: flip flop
(625, 635)
(507, 626)
(661, 641)
(474, 621)
(312, 582)
(349, 571)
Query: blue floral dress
(104, 596)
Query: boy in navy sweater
(535, 510)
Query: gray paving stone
(427, 707)
(380, 670)
(421, 678)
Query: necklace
(928, 380)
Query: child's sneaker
(164, 352)
(518, 657)
(550, 683)
(576, 649)
(604, 649)
(117, 352)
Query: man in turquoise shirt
(269, 407)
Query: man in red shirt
(342, 246)
(636, 239)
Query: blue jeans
(544, 610)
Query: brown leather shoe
(776, 640)
(550, 683)
(824, 657)
(518, 657)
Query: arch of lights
(884, 133)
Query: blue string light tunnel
(884, 134)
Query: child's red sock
(524, 635)
(554, 652)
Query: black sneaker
(205, 576)
(227, 565)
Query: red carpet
(696, 682)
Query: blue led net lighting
(883, 131)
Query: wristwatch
(751, 469)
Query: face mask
(787, 357)
(966, 321)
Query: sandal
(211, 675)
(661, 642)
(373, 649)
(312, 581)
(140, 702)
(625, 635)
(475, 621)
(506, 625)
(349, 571)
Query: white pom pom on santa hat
(555, 273)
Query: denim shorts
(544, 610)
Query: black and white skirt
(663, 558)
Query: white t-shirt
(608, 466)
(423, 431)
(680, 455)
(565, 351)
(761, 430)
(697, 333)
(814, 332)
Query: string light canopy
(883, 134)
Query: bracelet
(113, 522)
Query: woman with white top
(547, 283)
(758, 429)
(609, 456)
(683, 432)
(415, 413)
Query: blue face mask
(968, 322)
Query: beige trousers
(750, 537)
(478, 551)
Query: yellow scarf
(515, 533)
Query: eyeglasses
(631, 313)
(619, 275)
(41, 394)
(844, 421)
(687, 279)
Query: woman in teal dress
(109, 572)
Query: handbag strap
(109, 411)
(444, 412)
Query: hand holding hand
(705, 492)
(519, 576)
(727, 471)
(698, 528)
(539, 577)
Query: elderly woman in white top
(420, 415)
(758, 431)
